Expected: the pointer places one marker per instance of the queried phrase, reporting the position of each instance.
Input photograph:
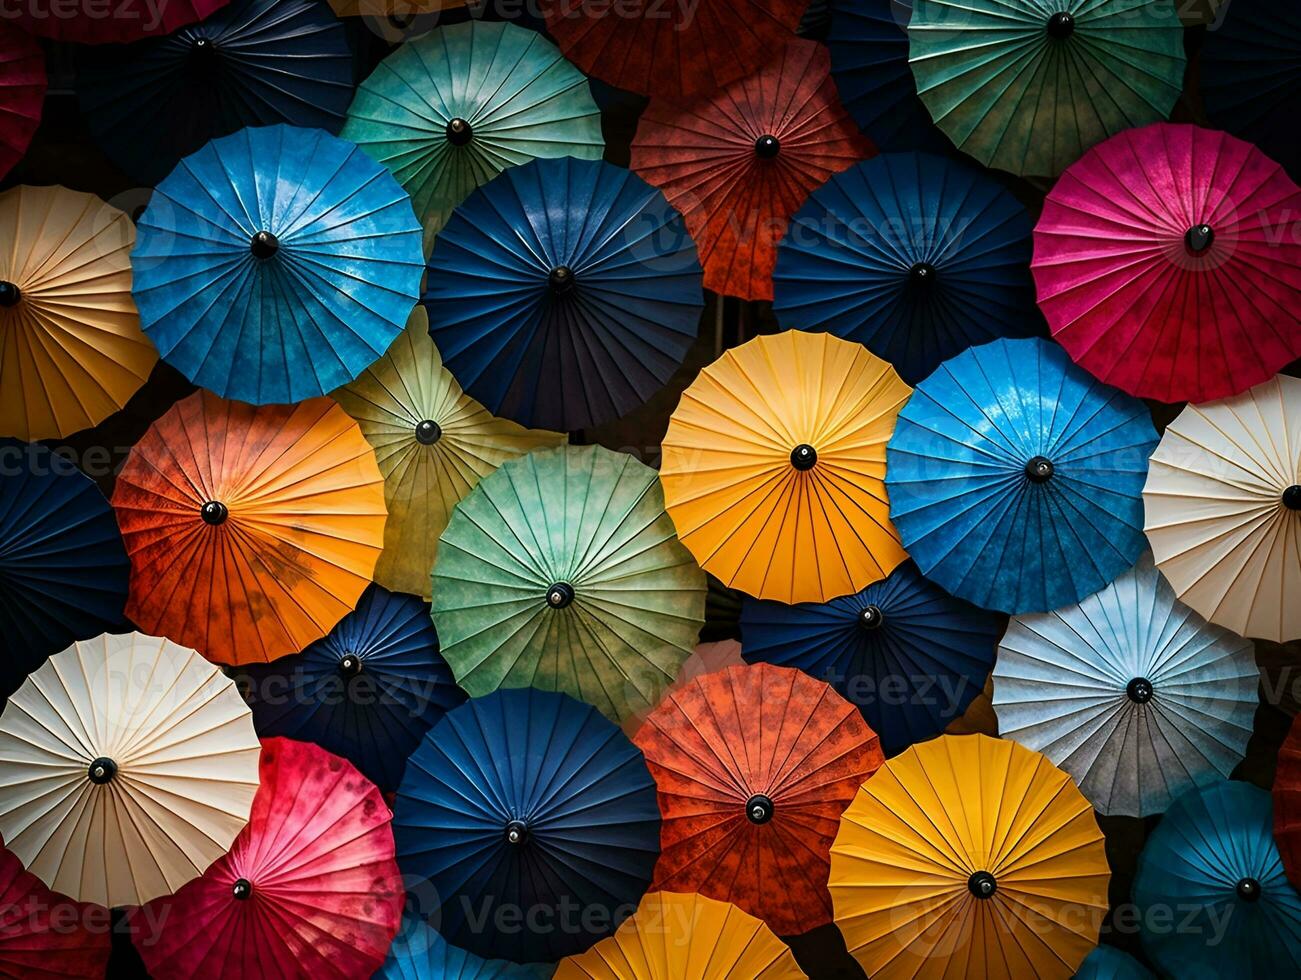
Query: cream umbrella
(129, 765)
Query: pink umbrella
(1168, 263)
(45, 935)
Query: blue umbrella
(1211, 892)
(914, 256)
(564, 292)
(419, 953)
(527, 802)
(906, 652)
(275, 264)
(1015, 478)
(1109, 963)
(63, 569)
(252, 63)
(368, 690)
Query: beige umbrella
(1223, 504)
(129, 765)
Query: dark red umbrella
(45, 935)
(107, 21)
(1287, 803)
(22, 93)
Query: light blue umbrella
(1109, 963)
(419, 953)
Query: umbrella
(367, 691)
(1213, 859)
(308, 889)
(63, 570)
(774, 463)
(276, 263)
(561, 571)
(433, 443)
(73, 352)
(1223, 509)
(754, 766)
(563, 293)
(449, 111)
(419, 953)
(129, 765)
(22, 94)
(1162, 268)
(1109, 963)
(1028, 85)
(1015, 478)
(707, 658)
(251, 531)
(969, 855)
(527, 800)
(111, 22)
(1130, 691)
(739, 162)
(253, 63)
(671, 937)
(43, 936)
(1287, 803)
(905, 652)
(915, 256)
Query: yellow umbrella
(71, 349)
(676, 936)
(433, 443)
(774, 467)
(969, 856)
(129, 765)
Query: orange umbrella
(251, 530)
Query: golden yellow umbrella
(433, 443)
(774, 467)
(675, 936)
(71, 350)
(969, 856)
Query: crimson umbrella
(45, 935)
(22, 93)
(107, 21)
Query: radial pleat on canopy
(22, 94)
(420, 953)
(109, 21)
(1110, 963)
(39, 939)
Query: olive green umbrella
(562, 571)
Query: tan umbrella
(129, 765)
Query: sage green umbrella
(561, 570)
(452, 109)
(1028, 86)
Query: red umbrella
(1168, 263)
(308, 890)
(22, 93)
(45, 935)
(108, 21)
(741, 161)
(671, 47)
(754, 766)
(1287, 803)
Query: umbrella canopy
(1213, 858)
(419, 953)
(71, 350)
(969, 855)
(564, 293)
(672, 936)
(254, 63)
(276, 263)
(251, 531)
(433, 443)
(1287, 802)
(908, 654)
(37, 940)
(114, 22)
(1161, 267)
(22, 94)
(527, 800)
(774, 463)
(916, 257)
(63, 570)
(754, 766)
(739, 162)
(1015, 478)
(129, 765)
(1109, 963)
(1223, 509)
(1130, 691)
(1028, 85)
(449, 111)
(561, 571)
(367, 691)
(308, 889)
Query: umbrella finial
(350, 665)
(242, 889)
(1061, 25)
(1248, 890)
(1140, 690)
(982, 884)
(264, 245)
(428, 432)
(560, 595)
(459, 131)
(561, 279)
(1199, 238)
(921, 274)
(517, 832)
(214, 512)
(871, 618)
(10, 294)
(1292, 497)
(101, 771)
(204, 53)
(804, 456)
(1039, 469)
(758, 808)
(767, 146)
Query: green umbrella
(561, 570)
(1028, 86)
(452, 109)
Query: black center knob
(517, 832)
(560, 595)
(203, 52)
(921, 274)
(1039, 470)
(767, 147)
(1248, 889)
(101, 771)
(561, 279)
(459, 131)
(350, 665)
(1139, 690)
(214, 512)
(1292, 497)
(982, 884)
(871, 618)
(804, 456)
(758, 809)
(1061, 25)
(9, 293)
(1199, 238)
(264, 245)
(242, 889)
(428, 432)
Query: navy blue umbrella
(63, 569)
(527, 803)
(914, 256)
(368, 690)
(910, 655)
(564, 293)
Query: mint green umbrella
(452, 109)
(1028, 86)
(561, 570)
